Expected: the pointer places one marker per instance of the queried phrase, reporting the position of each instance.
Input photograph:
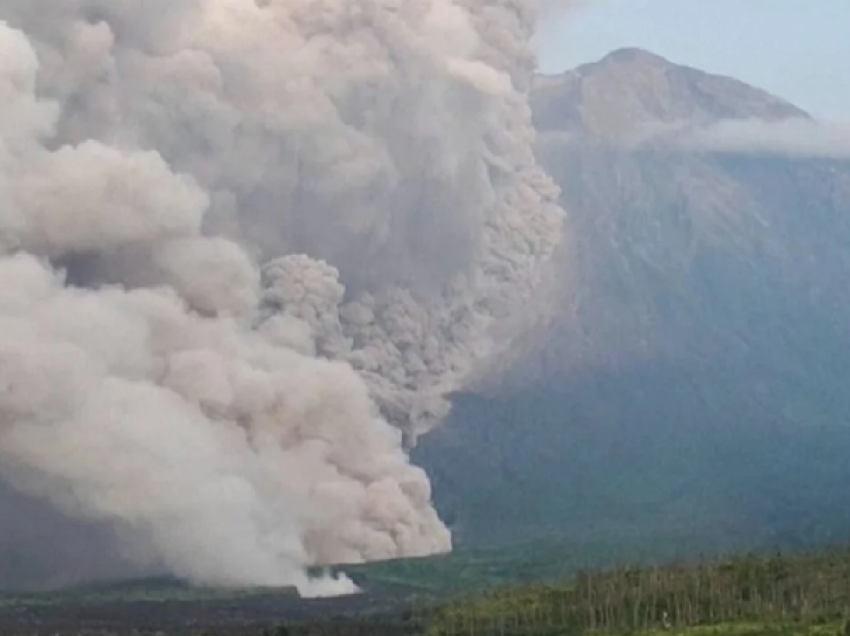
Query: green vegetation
(476, 569)
(768, 595)
(546, 559)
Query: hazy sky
(797, 49)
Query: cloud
(798, 137)
(242, 245)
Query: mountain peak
(633, 55)
(630, 88)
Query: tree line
(776, 589)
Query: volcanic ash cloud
(243, 246)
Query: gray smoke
(238, 238)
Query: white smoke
(796, 137)
(790, 137)
(226, 227)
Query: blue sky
(797, 49)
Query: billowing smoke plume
(237, 238)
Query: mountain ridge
(631, 87)
(692, 382)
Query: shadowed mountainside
(692, 388)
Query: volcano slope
(690, 393)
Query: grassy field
(836, 628)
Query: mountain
(691, 392)
(629, 88)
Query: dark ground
(239, 614)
